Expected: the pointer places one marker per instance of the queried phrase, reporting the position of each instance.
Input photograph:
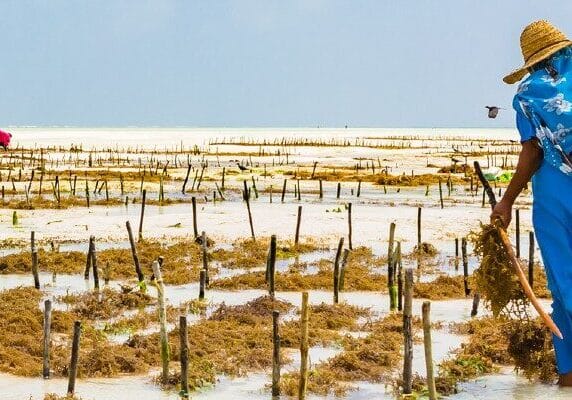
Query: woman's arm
(528, 162)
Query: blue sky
(244, 63)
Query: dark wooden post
(47, 334)
(337, 270)
(250, 217)
(35, 272)
(275, 354)
(350, 226)
(205, 257)
(419, 227)
(88, 261)
(303, 348)
(143, 198)
(408, 332)
(94, 264)
(74, 357)
(140, 276)
(465, 266)
(298, 222)
(517, 238)
(194, 204)
(440, 193)
(531, 258)
(272, 266)
(283, 190)
(202, 283)
(184, 356)
(476, 301)
(339, 190)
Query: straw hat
(538, 41)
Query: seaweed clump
(495, 279)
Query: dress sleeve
(523, 123)
(525, 127)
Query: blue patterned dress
(543, 107)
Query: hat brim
(521, 72)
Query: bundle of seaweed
(495, 279)
(106, 303)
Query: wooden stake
(303, 348)
(142, 214)
(47, 333)
(74, 357)
(35, 261)
(184, 356)
(250, 218)
(138, 271)
(275, 354)
(94, 263)
(205, 257)
(88, 260)
(408, 332)
(476, 301)
(339, 190)
(194, 204)
(419, 227)
(428, 345)
(517, 238)
(440, 193)
(164, 339)
(283, 190)
(298, 222)
(321, 190)
(337, 270)
(350, 226)
(272, 266)
(343, 269)
(202, 284)
(531, 258)
(465, 266)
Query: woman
(543, 105)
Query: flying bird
(493, 111)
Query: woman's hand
(502, 210)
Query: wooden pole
(428, 345)
(35, 266)
(343, 269)
(303, 348)
(74, 357)
(88, 261)
(339, 190)
(476, 301)
(337, 270)
(399, 279)
(391, 269)
(195, 229)
(465, 266)
(250, 218)
(275, 354)
(283, 190)
(142, 214)
(138, 271)
(205, 257)
(419, 227)
(350, 226)
(440, 193)
(298, 222)
(164, 339)
(408, 332)
(531, 258)
(184, 356)
(517, 233)
(321, 190)
(47, 334)
(272, 266)
(94, 264)
(202, 284)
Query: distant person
(543, 105)
(5, 139)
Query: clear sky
(376, 63)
